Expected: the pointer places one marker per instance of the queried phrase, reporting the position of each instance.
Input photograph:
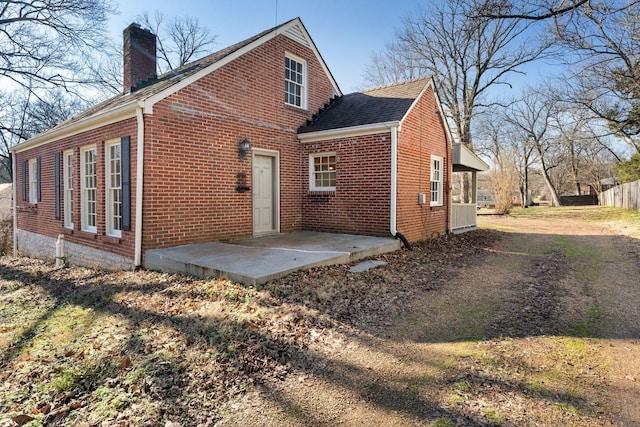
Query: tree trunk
(555, 200)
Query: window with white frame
(33, 181)
(113, 175)
(89, 189)
(295, 90)
(436, 181)
(67, 165)
(322, 172)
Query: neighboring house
(254, 139)
(485, 198)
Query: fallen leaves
(147, 348)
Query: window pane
(293, 82)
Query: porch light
(244, 148)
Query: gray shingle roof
(378, 105)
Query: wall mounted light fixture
(244, 148)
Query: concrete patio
(258, 260)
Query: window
(33, 181)
(322, 172)
(295, 81)
(67, 166)
(436, 181)
(88, 202)
(113, 171)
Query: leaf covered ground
(533, 321)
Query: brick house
(254, 139)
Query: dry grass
(6, 236)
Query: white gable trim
(431, 84)
(293, 29)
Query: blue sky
(346, 32)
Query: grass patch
(495, 416)
(591, 323)
(441, 422)
(584, 213)
(585, 259)
(567, 408)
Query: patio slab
(258, 260)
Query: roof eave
(347, 132)
(465, 160)
(114, 115)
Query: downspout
(139, 187)
(394, 189)
(14, 190)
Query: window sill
(437, 207)
(112, 240)
(321, 192)
(67, 231)
(89, 235)
(296, 108)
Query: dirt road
(542, 328)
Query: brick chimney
(139, 49)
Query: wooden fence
(622, 196)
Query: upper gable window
(295, 81)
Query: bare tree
(180, 39)
(467, 56)
(43, 43)
(44, 46)
(495, 142)
(606, 78)
(23, 115)
(498, 138)
(603, 48)
(394, 64)
(533, 10)
(533, 117)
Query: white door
(264, 218)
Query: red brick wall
(40, 217)
(421, 136)
(361, 202)
(191, 147)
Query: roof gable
(379, 105)
(124, 106)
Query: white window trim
(305, 67)
(33, 180)
(312, 172)
(110, 231)
(67, 176)
(83, 188)
(440, 201)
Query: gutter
(394, 189)
(394, 180)
(14, 190)
(348, 132)
(139, 186)
(85, 124)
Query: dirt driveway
(539, 328)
